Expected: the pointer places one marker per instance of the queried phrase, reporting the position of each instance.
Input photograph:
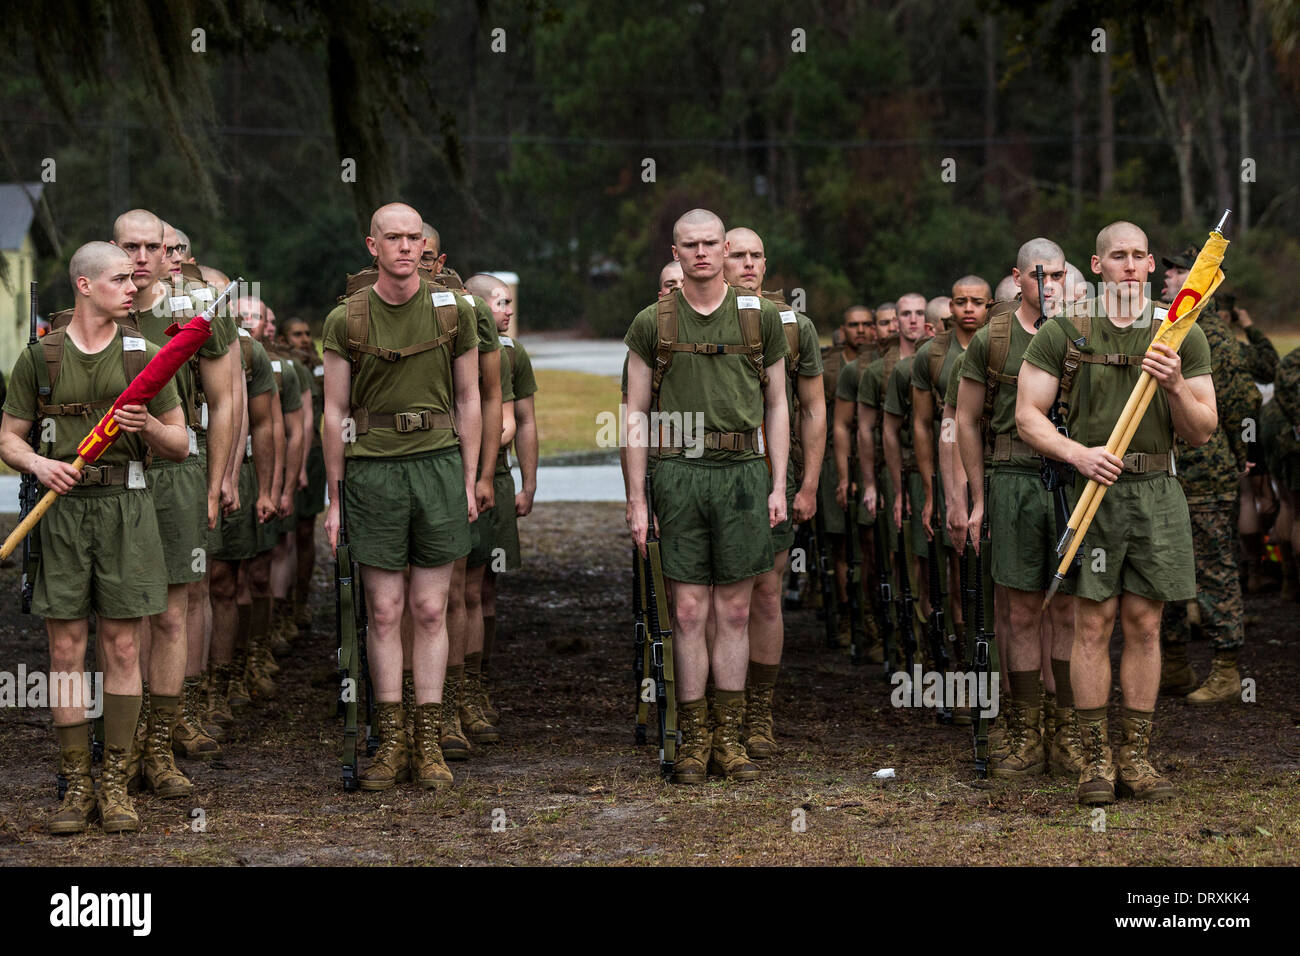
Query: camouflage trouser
(1218, 586)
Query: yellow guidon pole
(1204, 277)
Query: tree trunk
(1105, 128)
(990, 96)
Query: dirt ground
(567, 785)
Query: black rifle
(935, 628)
(1056, 475)
(349, 601)
(826, 578)
(661, 640)
(641, 659)
(853, 564)
(884, 592)
(906, 603)
(981, 662)
(29, 488)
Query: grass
(567, 405)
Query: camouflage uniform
(1259, 355)
(1208, 475)
(1281, 419)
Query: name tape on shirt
(244, 333)
(747, 302)
(469, 299)
(132, 344)
(275, 365)
(179, 303)
(787, 318)
(202, 295)
(319, 371)
(444, 298)
(506, 341)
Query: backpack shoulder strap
(789, 323)
(666, 340)
(358, 322)
(246, 354)
(135, 358)
(60, 319)
(891, 359)
(751, 331)
(938, 352)
(52, 353)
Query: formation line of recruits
(966, 426)
(191, 543)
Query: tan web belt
(1005, 448)
(403, 422)
(1142, 463)
(723, 441)
(103, 475)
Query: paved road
(595, 356)
(554, 483)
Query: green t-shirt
(85, 378)
(315, 370)
(420, 382)
(523, 383)
(870, 388)
(262, 379)
(954, 380)
(724, 388)
(898, 398)
(1004, 399)
(1101, 391)
(290, 384)
(154, 322)
(921, 369)
(485, 325)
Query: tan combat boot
(1097, 778)
(279, 637)
(1137, 777)
(1066, 753)
(1223, 686)
(427, 762)
(237, 695)
(116, 812)
(490, 713)
(693, 751)
(1048, 723)
(161, 775)
(453, 742)
(217, 712)
(728, 757)
(189, 739)
(257, 677)
(392, 762)
(472, 718)
(1177, 679)
(759, 737)
(78, 806)
(408, 705)
(1024, 754)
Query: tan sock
(121, 712)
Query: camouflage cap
(1183, 260)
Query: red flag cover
(185, 342)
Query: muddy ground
(572, 788)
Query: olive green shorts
(830, 510)
(180, 498)
(239, 532)
(916, 500)
(713, 519)
(408, 510)
(1140, 541)
(211, 536)
(498, 528)
(1022, 525)
(311, 500)
(101, 552)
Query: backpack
(47, 359)
(750, 309)
(1001, 315)
(790, 325)
(1077, 352)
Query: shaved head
(434, 240)
(214, 276)
(697, 219)
(1006, 289)
(95, 258)
(743, 234)
(1039, 250)
(1076, 286)
(972, 283)
(938, 311)
(1116, 231)
(140, 219)
(394, 216)
(483, 285)
(912, 298)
